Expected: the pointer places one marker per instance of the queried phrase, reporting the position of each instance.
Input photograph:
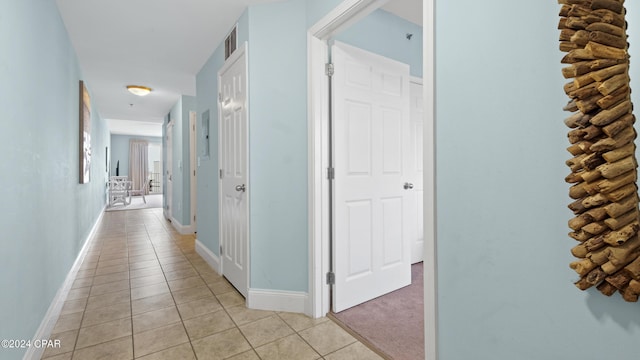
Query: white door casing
(416, 172)
(168, 211)
(372, 194)
(193, 154)
(233, 159)
(347, 12)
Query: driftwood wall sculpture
(603, 167)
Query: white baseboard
(212, 259)
(53, 313)
(272, 300)
(182, 229)
(277, 300)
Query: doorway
(346, 13)
(155, 184)
(193, 154)
(168, 208)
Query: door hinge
(331, 173)
(328, 69)
(194, 218)
(331, 278)
(221, 174)
(221, 252)
(220, 97)
(194, 173)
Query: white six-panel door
(372, 200)
(234, 206)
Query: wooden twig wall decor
(603, 164)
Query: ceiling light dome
(139, 90)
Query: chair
(119, 190)
(140, 192)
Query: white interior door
(169, 186)
(234, 205)
(372, 207)
(416, 174)
(193, 166)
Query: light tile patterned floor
(144, 293)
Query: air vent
(231, 42)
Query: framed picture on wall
(85, 135)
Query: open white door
(372, 210)
(168, 210)
(416, 172)
(234, 203)
(193, 157)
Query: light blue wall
(386, 34)
(47, 214)
(207, 100)
(120, 151)
(278, 146)
(181, 199)
(505, 290)
(633, 30)
(317, 9)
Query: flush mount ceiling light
(139, 90)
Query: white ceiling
(157, 43)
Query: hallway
(143, 292)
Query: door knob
(242, 188)
(408, 186)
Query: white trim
(318, 185)
(212, 259)
(53, 313)
(193, 165)
(340, 17)
(277, 300)
(430, 237)
(182, 229)
(167, 208)
(344, 15)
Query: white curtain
(139, 164)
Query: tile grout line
(175, 304)
(175, 244)
(133, 340)
(300, 336)
(84, 311)
(223, 308)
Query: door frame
(418, 81)
(241, 51)
(193, 154)
(168, 170)
(345, 14)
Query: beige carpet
(393, 324)
(153, 201)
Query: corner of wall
(212, 259)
